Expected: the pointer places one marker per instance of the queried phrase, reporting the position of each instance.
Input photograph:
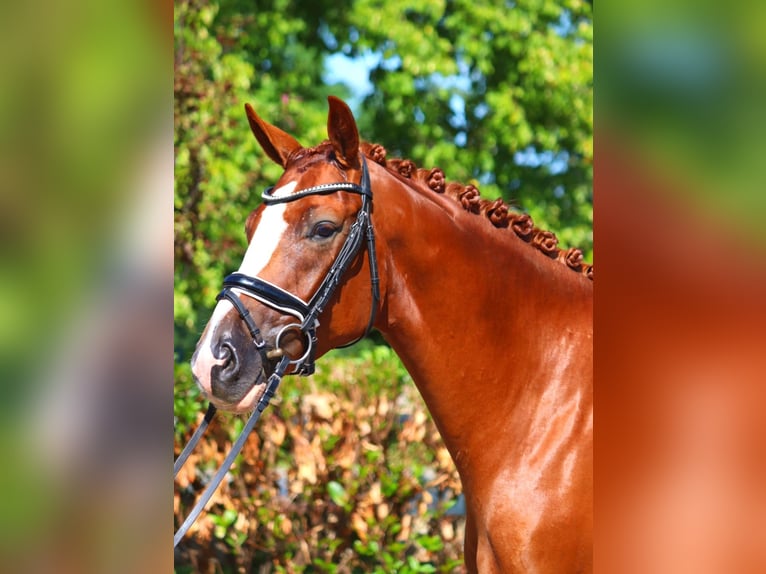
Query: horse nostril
(225, 351)
(230, 364)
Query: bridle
(307, 313)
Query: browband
(322, 189)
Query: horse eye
(323, 230)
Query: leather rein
(307, 313)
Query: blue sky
(354, 72)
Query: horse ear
(344, 136)
(277, 144)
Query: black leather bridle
(308, 312)
(285, 302)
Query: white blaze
(267, 235)
(263, 244)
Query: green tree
(496, 92)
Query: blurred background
(680, 441)
(85, 286)
(347, 472)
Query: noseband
(285, 302)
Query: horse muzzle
(229, 370)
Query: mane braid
(497, 211)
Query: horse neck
(482, 321)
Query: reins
(285, 302)
(271, 388)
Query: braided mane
(496, 210)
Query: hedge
(346, 472)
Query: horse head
(301, 262)
(512, 400)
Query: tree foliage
(495, 93)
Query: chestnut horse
(493, 322)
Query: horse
(491, 319)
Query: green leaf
(337, 493)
